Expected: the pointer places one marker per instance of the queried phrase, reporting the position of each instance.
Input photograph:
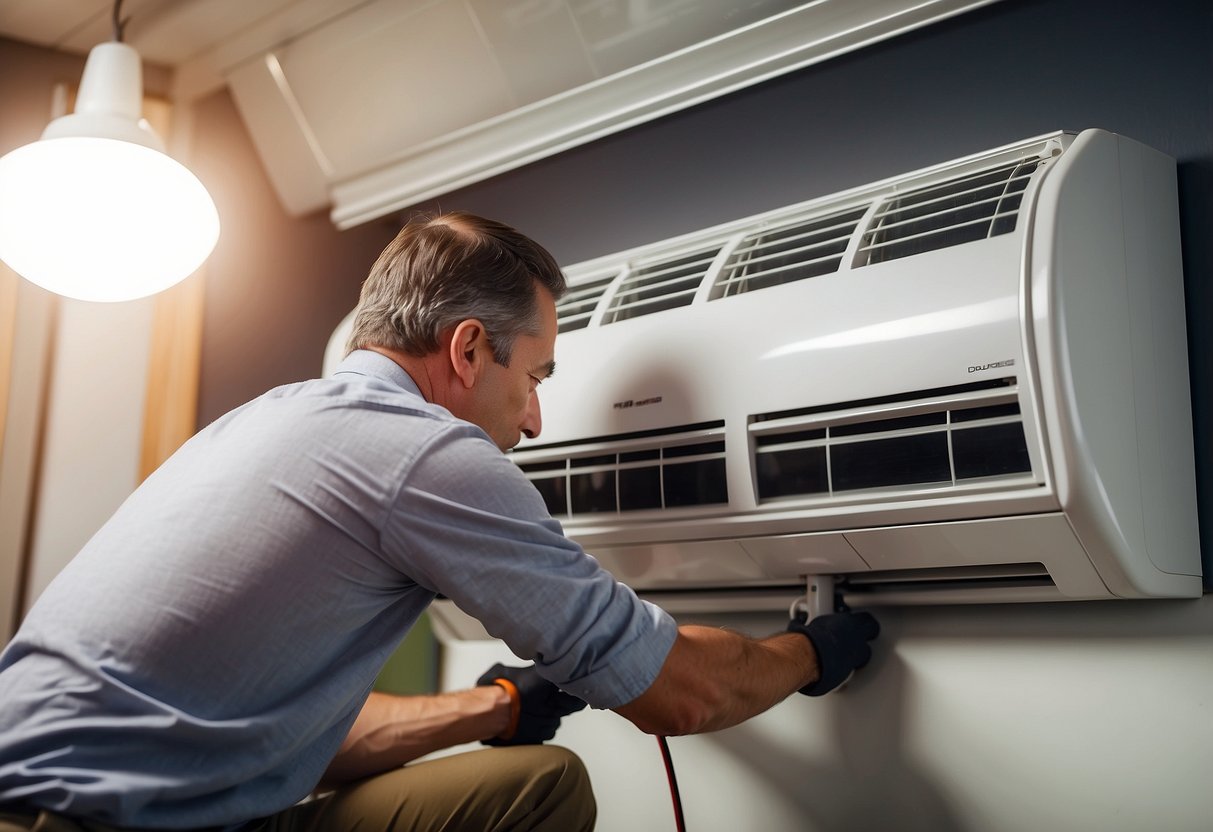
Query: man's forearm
(392, 730)
(713, 679)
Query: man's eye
(538, 381)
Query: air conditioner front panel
(949, 319)
(912, 359)
(1046, 538)
(1042, 545)
(657, 565)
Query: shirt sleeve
(467, 523)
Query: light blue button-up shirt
(201, 659)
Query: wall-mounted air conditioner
(966, 383)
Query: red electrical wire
(679, 821)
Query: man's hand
(536, 705)
(841, 641)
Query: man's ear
(469, 349)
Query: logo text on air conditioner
(977, 368)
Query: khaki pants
(529, 787)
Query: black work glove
(538, 703)
(841, 641)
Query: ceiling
(196, 35)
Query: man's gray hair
(442, 270)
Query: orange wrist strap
(515, 708)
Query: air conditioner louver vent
(951, 585)
(790, 251)
(677, 468)
(825, 455)
(962, 210)
(663, 284)
(574, 310)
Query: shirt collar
(377, 365)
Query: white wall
(30, 318)
(71, 445)
(93, 429)
(1077, 716)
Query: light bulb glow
(101, 219)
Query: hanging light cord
(119, 24)
(679, 821)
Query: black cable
(679, 821)
(119, 25)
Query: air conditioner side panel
(1160, 359)
(1108, 318)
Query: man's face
(506, 400)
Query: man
(206, 660)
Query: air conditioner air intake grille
(790, 251)
(573, 311)
(656, 286)
(962, 210)
(677, 468)
(937, 444)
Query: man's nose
(532, 420)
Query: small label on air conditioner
(636, 402)
(977, 368)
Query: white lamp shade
(95, 210)
(101, 219)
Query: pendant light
(95, 209)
